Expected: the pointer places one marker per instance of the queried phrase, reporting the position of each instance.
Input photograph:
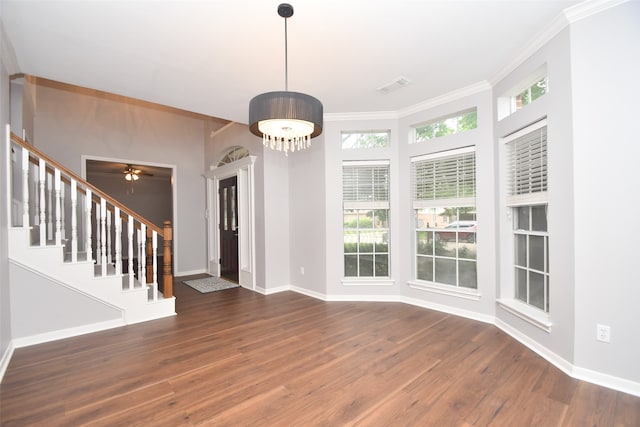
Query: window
(365, 192)
(355, 140)
(524, 94)
(526, 182)
(443, 193)
(456, 123)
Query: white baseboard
(67, 333)
(605, 380)
(189, 273)
(6, 358)
(449, 310)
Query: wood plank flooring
(237, 358)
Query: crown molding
(568, 16)
(446, 98)
(589, 8)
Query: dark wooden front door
(228, 194)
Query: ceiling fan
(133, 174)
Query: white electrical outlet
(603, 333)
(302, 270)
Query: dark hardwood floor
(237, 358)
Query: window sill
(471, 294)
(528, 314)
(368, 281)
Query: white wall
(71, 123)
(605, 61)
(32, 293)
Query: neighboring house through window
(443, 194)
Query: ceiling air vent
(396, 84)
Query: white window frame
(450, 117)
(368, 132)
(461, 202)
(508, 300)
(507, 102)
(368, 205)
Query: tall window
(365, 192)
(526, 181)
(443, 191)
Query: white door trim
(244, 170)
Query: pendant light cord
(286, 58)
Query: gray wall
(605, 64)
(556, 106)
(71, 123)
(5, 308)
(32, 293)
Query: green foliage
(354, 140)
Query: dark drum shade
(283, 105)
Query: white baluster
(43, 214)
(130, 250)
(74, 220)
(118, 241)
(25, 187)
(87, 217)
(103, 235)
(49, 207)
(63, 231)
(98, 237)
(109, 257)
(58, 201)
(154, 240)
(142, 261)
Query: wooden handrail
(95, 190)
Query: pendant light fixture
(285, 120)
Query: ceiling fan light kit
(286, 121)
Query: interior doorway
(228, 202)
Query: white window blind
(365, 185)
(526, 164)
(439, 178)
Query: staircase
(66, 230)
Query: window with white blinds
(526, 166)
(365, 189)
(443, 187)
(365, 184)
(449, 175)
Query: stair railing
(61, 208)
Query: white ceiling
(212, 57)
